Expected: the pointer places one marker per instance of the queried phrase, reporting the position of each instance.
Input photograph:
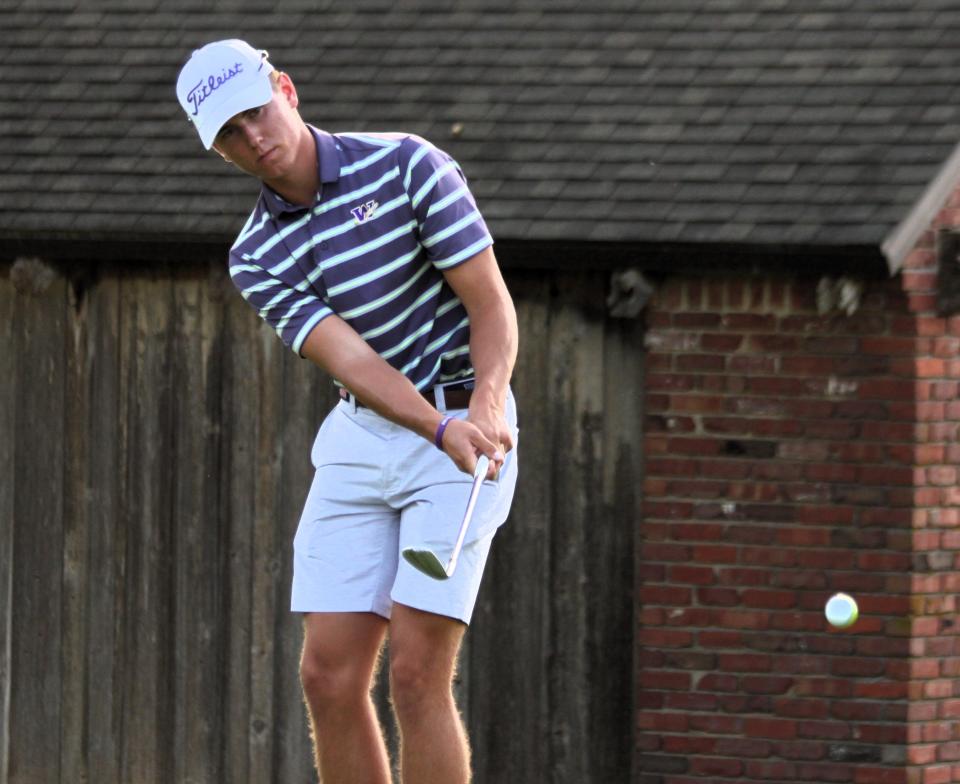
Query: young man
(367, 254)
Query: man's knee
(417, 680)
(328, 682)
(422, 666)
(338, 662)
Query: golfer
(367, 254)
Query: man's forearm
(493, 348)
(335, 347)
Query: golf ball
(841, 610)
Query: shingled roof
(747, 122)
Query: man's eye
(253, 112)
(224, 133)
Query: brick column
(789, 455)
(934, 710)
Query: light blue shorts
(379, 488)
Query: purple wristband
(438, 438)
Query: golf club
(426, 560)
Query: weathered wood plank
(266, 590)
(571, 375)
(8, 416)
(609, 557)
(509, 633)
(148, 643)
(196, 534)
(105, 551)
(246, 752)
(76, 529)
(36, 616)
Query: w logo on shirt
(364, 212)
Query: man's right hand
(464, 443)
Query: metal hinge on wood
(629, 293)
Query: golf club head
(426, 562)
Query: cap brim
(257, 94)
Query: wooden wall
(154, 454)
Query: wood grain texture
(159, 435)
(36, 617)
(8, 398)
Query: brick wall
(791, 454)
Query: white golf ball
(841, 610)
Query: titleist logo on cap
(203, 90)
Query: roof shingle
(744, 121)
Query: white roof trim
(905, 235)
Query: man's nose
(252, 133)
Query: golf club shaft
(479, 474)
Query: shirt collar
(328, 169)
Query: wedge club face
(426, 560)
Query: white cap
(220, 80)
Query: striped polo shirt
(392, 213)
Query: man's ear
(287, 89)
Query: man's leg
(339, 662)
(423, 655)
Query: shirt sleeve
(291, 312)
(451, 227)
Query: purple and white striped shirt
(392, 213)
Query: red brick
(823, 687)
(662, 680)
(949, 752)
(937, 774)
(857, 667)
(663, 722)
(801, 750)
(766, 684)
(770, 728)
(717, 725)
(824, 730)
(881, 690)
(887, 562)
(936, 732)
(687, 701)
(669, 382)
(804, 537)
(668, 595)
(721, 343)
(801, 709)
(665, 638)
(715, 681)
(744, 747)
(700, 363)
(688, 744)
(774, 600)
(697, 575)
(938, 689)
(921, 755)
(696, 320)
(715, 554)
(744, 662)
(743, 577)
(716, 766)
(868, 774)
(942, 475)
(720, 638)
